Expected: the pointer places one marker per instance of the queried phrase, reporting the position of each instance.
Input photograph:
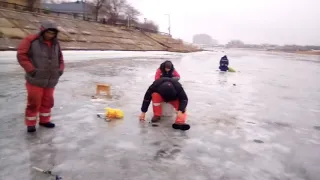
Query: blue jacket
(224, 61)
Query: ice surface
(276, 101)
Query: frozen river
(260, 123)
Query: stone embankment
(83, 35)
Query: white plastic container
(167, 110)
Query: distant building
(77, 8)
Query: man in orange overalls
(166, 90)
(41, 57)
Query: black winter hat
(168, 91)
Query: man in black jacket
(166, 90)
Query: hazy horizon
(251, 21)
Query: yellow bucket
(111, 113)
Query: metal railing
(114, 22)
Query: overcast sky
(253, 21)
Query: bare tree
(115, 7)
(97, 5)
(131, 12)
(150, 25)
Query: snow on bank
(72, 56)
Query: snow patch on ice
(126, 145)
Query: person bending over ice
(170, 91)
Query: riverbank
(315, 52)
(308, 52)
(83, 35)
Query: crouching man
(166, 90)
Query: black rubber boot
(31, 129)
(47, 125)
(183, 127)
(155, 119)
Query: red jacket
(42, 61)
(159, 74)
(23, 57)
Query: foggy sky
(253, 21)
